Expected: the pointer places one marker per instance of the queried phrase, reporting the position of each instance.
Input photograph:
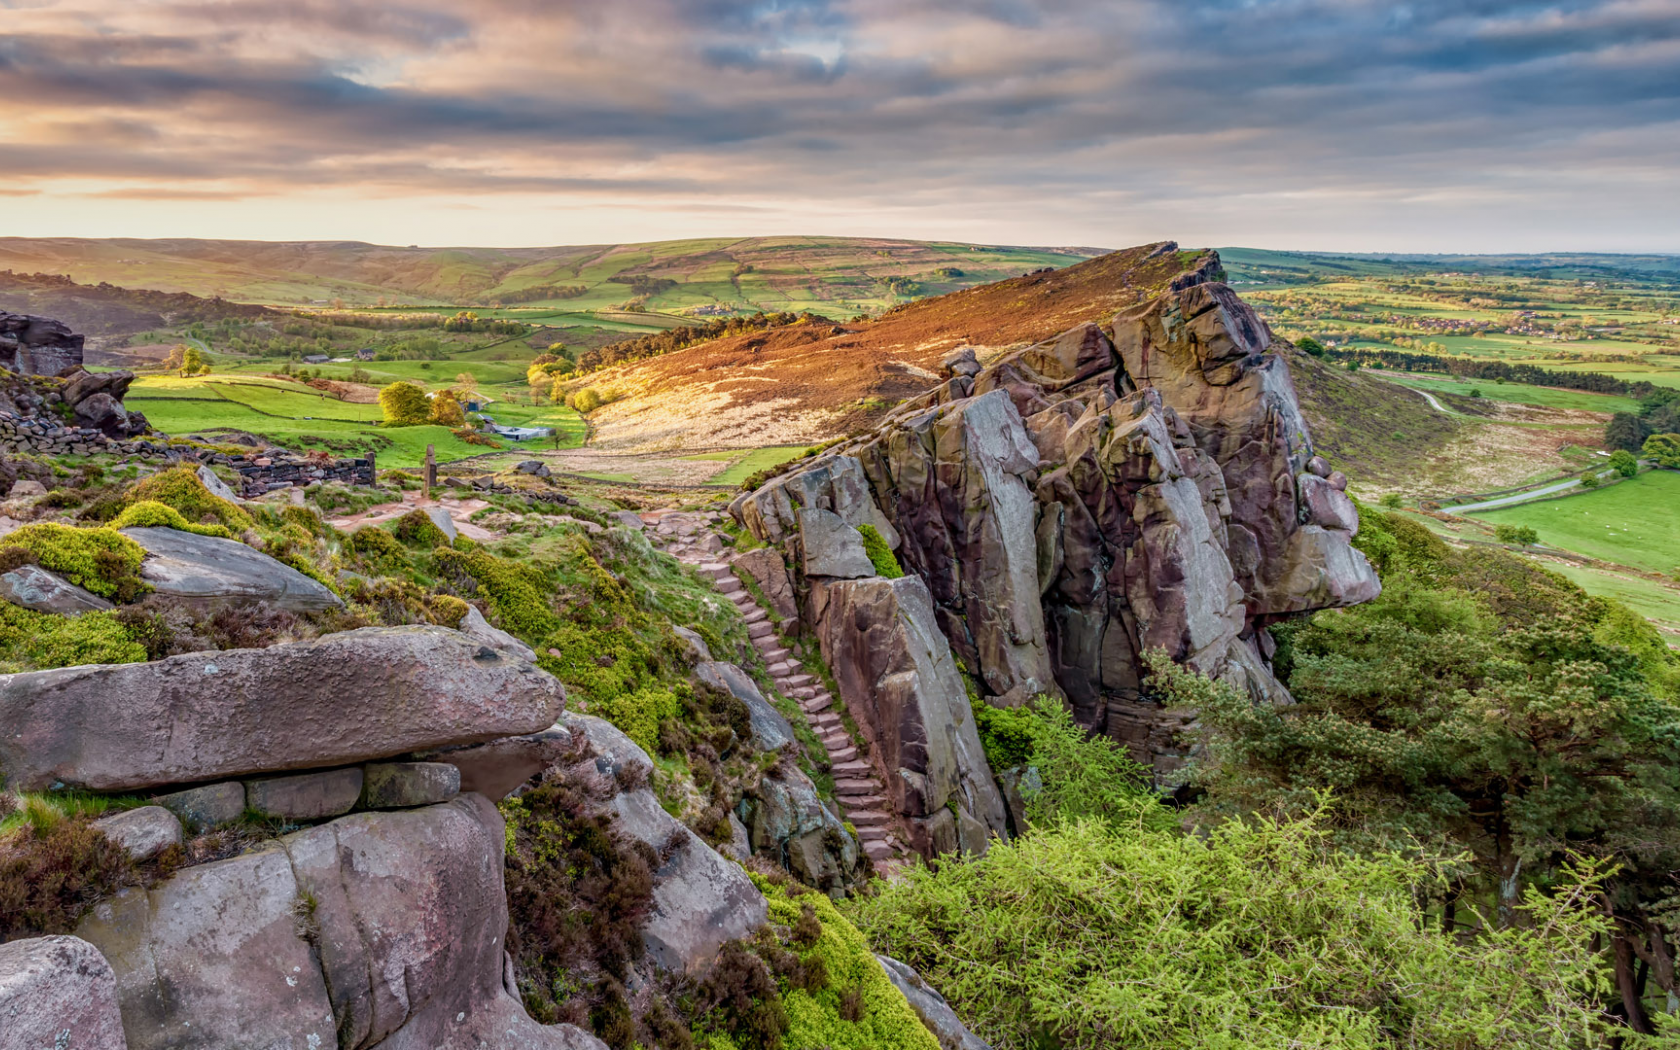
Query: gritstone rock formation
(1148, 484)
(37, 346)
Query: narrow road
(1520, 497)
(1427, 396)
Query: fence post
(430, 477)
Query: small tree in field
(1522, 535)
(1624, 463)
(446, 411)
(1391, 500)
(194, 362)
(404, 404)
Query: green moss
(415, 529)
(100, 560)
(884, 1021)
(32, 641)
(880, 555)
(517, 594)
(640, 713)
(150, 514)
(448, 610)
(1005, 733)
(181, 488)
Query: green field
(293, 416)
(743, 466)
(1543, 396)
(1656, 602)
(1633, 523)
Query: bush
(150, 514)
(880, 555)
(416, 529)
(1663, 450)
(1624, 463)
(1258, 935)
(1522, 535)
(55, 865)
(1589, 478)
(33, 641)
(180, 488)
(1006, 733)
(1308, 345)
(639, 714)
(404, 405)
(586, 400)
(1390, 501)
(373, 546)
(101, 561)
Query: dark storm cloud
(1160, 98)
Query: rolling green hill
(839, 275)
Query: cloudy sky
(1446, 125)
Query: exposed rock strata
(377, 929)
(37, 346)
(1146, 484)
(345, 698)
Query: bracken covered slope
(810, 382)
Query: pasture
(1633, 523)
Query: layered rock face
(37, 346)
(1148, 484)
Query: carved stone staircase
(862, 797)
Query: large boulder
(207, 570)
(896, 676)
(771, 731)
(33, 587)
(341, 699)
(701, 900)
(1145, 484)
(57, 992)
(765, 566)
(384, 929)
(38, 346)
(786, 820)
(931, 1007)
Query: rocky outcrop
(57, 992)
(37, 346)
(377, 929)
(203, 571)
(1145, 484)
(700, 899)
(785, 819)
(895, 672)
(33, 587)
(344, 698)
(771, 731)
(931, 1007)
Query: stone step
(755, 616)
(879, 851)
(795, 681)
(779, 669)
(863, 803)
(778, 655)
(855, 788)
(715, 569)
(868, 818)
(853, 768)
(867, 835)
(812, 707)
(762, 629)
(833, 742)
(804, 693)
(842, 754)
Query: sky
(1347, 125)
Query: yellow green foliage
(885, 1020)
(150, 514)
(373, 546)
(415, 529)
(33, 641)
(180, 487)
(305, 519)
(639, 713)
(448, 610)
(880, 555)
(404, 404)
(101, 560)
(517, 593)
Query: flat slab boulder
(33, 587)
(57, 992)
(207, 570)
(342, 699)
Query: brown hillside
(806, 383)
